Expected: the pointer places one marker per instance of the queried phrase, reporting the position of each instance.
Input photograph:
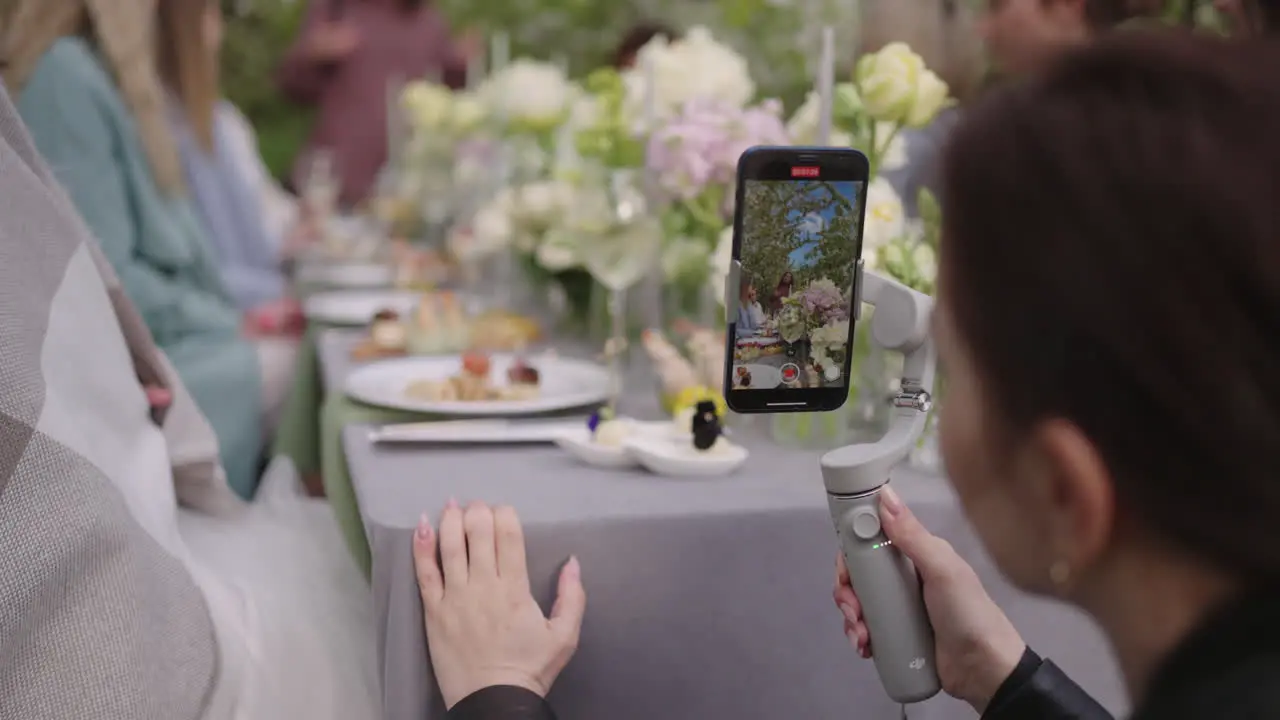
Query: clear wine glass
(320, 189)
(620, 244)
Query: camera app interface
(799, 247)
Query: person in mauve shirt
(342, 63)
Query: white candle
(650, 75)
(499, 51)
(826, 85)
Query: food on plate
(441, 326)
(416, 267)
(498, 331)
(521, 373)
(387, 337)
(743, 377)
(612, 433)
(473, 383)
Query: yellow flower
(690, 397)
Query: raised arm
(73, 132)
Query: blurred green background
(779, 38)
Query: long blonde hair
(187, 65)
(122, 30)
(941, 31)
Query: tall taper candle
(826, 85)
(650, 75)
(499, 51)
(475, 70)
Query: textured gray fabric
(97, 619)
(707, 598)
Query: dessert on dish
(388, 337)
(742, 376)
(439, 325)
(474, 383)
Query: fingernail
(423, 533)
(890, 502)
(572, 568)
(452, 504)
(848, 613)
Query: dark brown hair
(1111, 257)
(188, 67)
(637, 37)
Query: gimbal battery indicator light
(884, 544)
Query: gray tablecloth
(334, 347)
(707, 598)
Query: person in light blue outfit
(110, 155)
(750, 314)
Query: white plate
(763, 377)
(357, 307)
(347, 275)
(565, 384)
(579, 443)
(679, 458)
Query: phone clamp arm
(900, 323)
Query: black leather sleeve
(502, 702)
(1038, 690)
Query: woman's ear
(1076, 493)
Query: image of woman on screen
(782, 292)
(750, 314)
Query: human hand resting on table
(483, 626)
(977, 646)
(282, 317)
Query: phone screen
(797, 244)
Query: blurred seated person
(624, 57)
(209, 136)
(86, 87)
(343, 63)
(750, 315)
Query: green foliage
(776, 213)
(255, 40)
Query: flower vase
(813, 431)
(690, 302)
(872, 375)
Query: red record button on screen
(790, 373)
(804, 172)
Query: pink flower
(701, 145)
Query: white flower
(925, 261)
(896, 87)
(720, 262)
(885, 219)
(529, 93)
(428, 105)
(932, 94)
(834, 333)
(558, 251)
(693, 67)
(491, 232)
(804, 125)
(468, 113)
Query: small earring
(1060, 573)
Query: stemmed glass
(620, 243)
(320, 188)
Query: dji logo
(917, 664)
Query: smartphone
(797, 249)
